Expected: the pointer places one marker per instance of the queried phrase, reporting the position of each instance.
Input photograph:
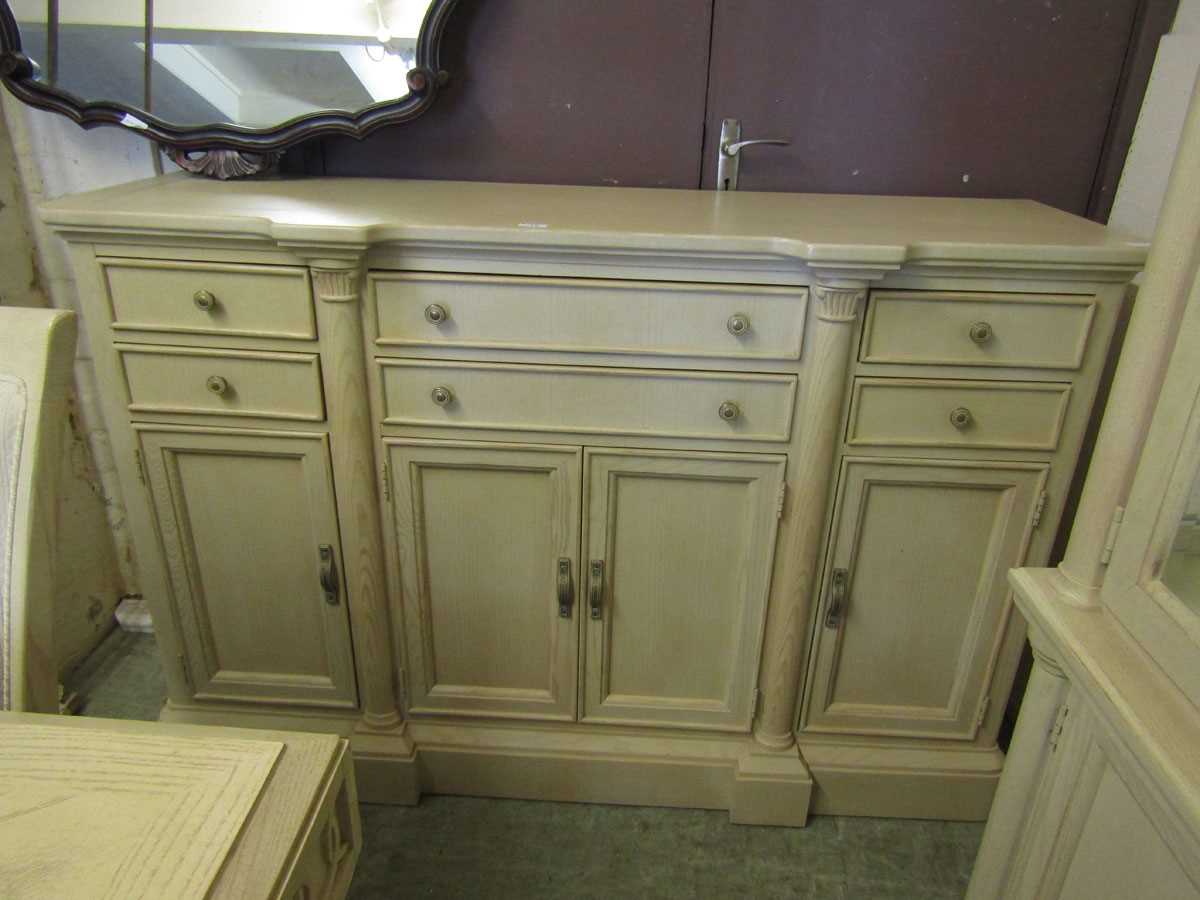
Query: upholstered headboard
(37, 348)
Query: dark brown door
(973, 98)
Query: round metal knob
(217, 385)
(436, 314)
(729, 411)
(204, 300)
(442, 396)
(980, 332)
(738, 324)
(961, 418)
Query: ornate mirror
(226, 84)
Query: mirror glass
(1181, 570)
(214, 62)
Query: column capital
(335, 281)
(1044, 652)
(838, 302)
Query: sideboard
(632, 496)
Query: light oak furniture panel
(203, 298)
(915, 594)
(92, 814)
(679, 551)
(608, 330)
(488, 540)
(251, 543)
(589, 315)
(903, 412)
(583, 399)
(223, 383)
(1047, 331)
(150, 810)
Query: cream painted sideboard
(628, 496)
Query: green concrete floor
(452, 847)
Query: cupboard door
(249, 531)
(921, 550)
(486, 534)
(679, 553)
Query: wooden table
(100, 808)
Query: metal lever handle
(329, 576)
(596, 589)
(734, 148)
(566, 593)
(837, 600)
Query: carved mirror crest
(225, 84)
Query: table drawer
(589, 315)
(223, 383)
(1026, 330)
(901, 412)
(203, 298)
(585, 399)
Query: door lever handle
(729, 151)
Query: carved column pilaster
(825, 375)
(344, 374)
(1027, 757)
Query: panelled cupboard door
(914, 593)
(250, 536)
(488, 537)
(678, 567)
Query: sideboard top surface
(817, 229)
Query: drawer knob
(980, 332)
(204, 300)
(738, 324)
(442, 395)
(961, 418)
(729, 411)
(217, 385)
(436, 314)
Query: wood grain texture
(339, 320)
(142, 816)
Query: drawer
(902, 412)
(201, 298)
(585, 399)
(588, 315)
(1028, 330)
(223, 383)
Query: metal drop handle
(436, 314)
(442, 395)
(738, 324)
(217, 385)
(837, 598)
(980, 332)
(329, 574)
(204, 300)
(729, 411)
(596, 588)
(566, 592)
(961, 418)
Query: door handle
(329, 574)
(729, 152)
(596, 588)
(837, 599)
(566, 593)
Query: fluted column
(344, 374)
(825, 375)
(1023, 767)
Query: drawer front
(223, 383)
(591, 316)
(918, 413)
(1026, 330)
(584, 399)
(256, 301)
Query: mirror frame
(424, 83)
